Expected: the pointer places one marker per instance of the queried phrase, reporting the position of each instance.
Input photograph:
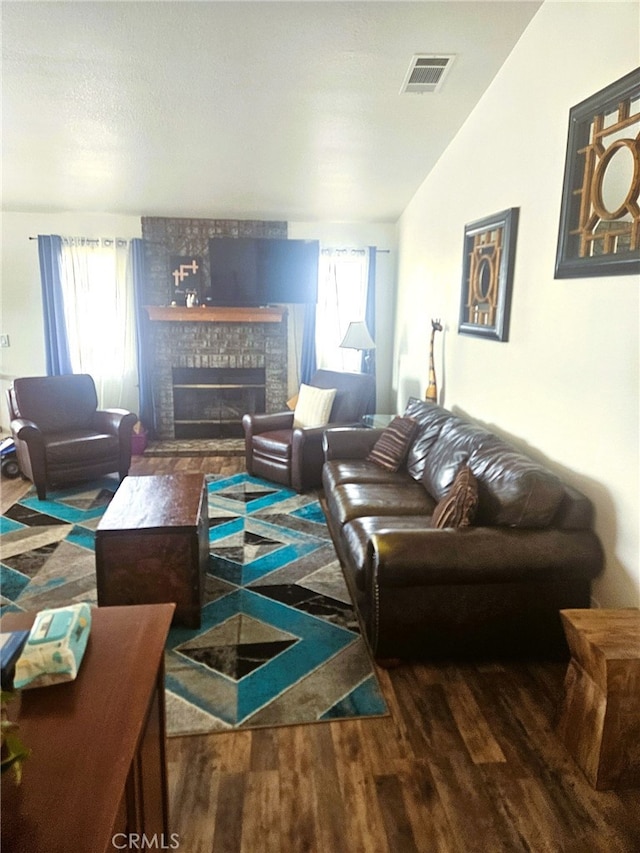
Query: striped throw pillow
(313, 406)
(391, 449)
(458, 507)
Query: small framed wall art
(599, 230)
(186, 279)
(487, 275)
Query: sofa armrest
(115, 421)
(25, 430)
(255, 424)
(30, 451)
(307, 457)
(480, 555)
(349, 442)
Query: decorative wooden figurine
(432, 389)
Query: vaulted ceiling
(284, 110)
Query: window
(99, 316)
(342, 298)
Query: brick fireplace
(209, 365)
(213, 365)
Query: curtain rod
(158, 243)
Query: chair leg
(41, 489)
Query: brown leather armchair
(61, 436)
(292, 456)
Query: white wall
(565, 386)
(20, 294)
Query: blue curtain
(370, 313)
(308, 357)
(145, 386)
(55, 328)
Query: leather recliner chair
(292, 456)
(61, 436)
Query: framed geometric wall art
(599, 230)
(487, 275)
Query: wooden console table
(97, 765)
(600, 715)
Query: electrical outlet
(4, 341)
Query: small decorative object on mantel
(487, 275)
(600, 215)
(432, 389)
(186, 279)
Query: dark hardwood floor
(467, 761)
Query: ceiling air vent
(426, 74)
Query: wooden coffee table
(600, 714)
(152, 545)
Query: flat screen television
(250, 271)
(234, 272)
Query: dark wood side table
(152, 544)
(599, 719)
(97, 767)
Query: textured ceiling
(287, 110)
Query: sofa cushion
(340, 471)
(458, 507)
(390, 450)
(274, 444)
(431, 418)
(357, 533)
(351, 501)
(513, 489)
(454, 446)
(355, 394)
(80, 446)
(57, 403)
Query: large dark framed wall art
(487, 275)
(600, 215)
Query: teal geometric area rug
(279, 642)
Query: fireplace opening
(209, 402)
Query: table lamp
(358, 337)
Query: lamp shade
(358, 337)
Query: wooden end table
(152, 545)
(600, 714)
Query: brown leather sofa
(493, 589)
(61, 436)
(294, 457)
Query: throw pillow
(390, 450)
(313, 407)
(458, 507)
